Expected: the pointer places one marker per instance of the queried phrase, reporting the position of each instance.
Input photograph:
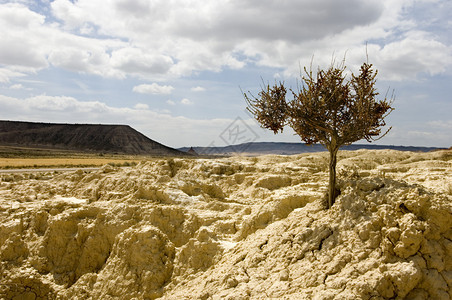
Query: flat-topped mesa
(81, 137)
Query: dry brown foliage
(329, 109)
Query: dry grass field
(19, 157)
(18, 163)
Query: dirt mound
(81, 137)
(233, 228)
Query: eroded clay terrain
(232, 228)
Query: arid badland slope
(232, 228)
(81, 137)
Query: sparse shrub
(328, 109)
(129, 163)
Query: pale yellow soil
(232, 228)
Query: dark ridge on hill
(262, 148)
(121, 139)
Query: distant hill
(290, 148)
(81, 137)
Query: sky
(175, 69)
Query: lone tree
(329, 109)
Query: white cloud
(171, 102)
(6, 74)
(141, 106)
(153, 88)
(443, 124)
(140, 62)
(29, 45)
(46, 103)
(213, 33)
(147, 40)
(186, 101)
(17, 86)
(416, 54)
(16, 47)
(198, 89)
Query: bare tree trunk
(332, 182)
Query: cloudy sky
(174, 69)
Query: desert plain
(231, 228)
